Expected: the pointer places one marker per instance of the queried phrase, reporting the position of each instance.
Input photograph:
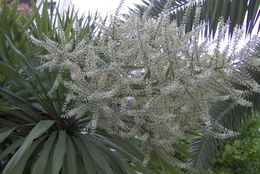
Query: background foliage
(236, 11)
(241, 155)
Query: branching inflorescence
(148, 79)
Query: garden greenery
(148, 79)
(242, 154)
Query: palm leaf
(41, 163)
(236, 11)
(36, 132)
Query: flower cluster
(148, 79)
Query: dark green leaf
(59, 152)
(71, 156)
(36, 132)
(85, 154)
(5, 134)
(19, 168)
(40, 165)
(11, 148)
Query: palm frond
(235, 11)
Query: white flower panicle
(148, 78)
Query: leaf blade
(36, 132)
(5, 134)
(59, 153)
(41, 163)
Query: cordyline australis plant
(149, 80)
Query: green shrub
(241, 156)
